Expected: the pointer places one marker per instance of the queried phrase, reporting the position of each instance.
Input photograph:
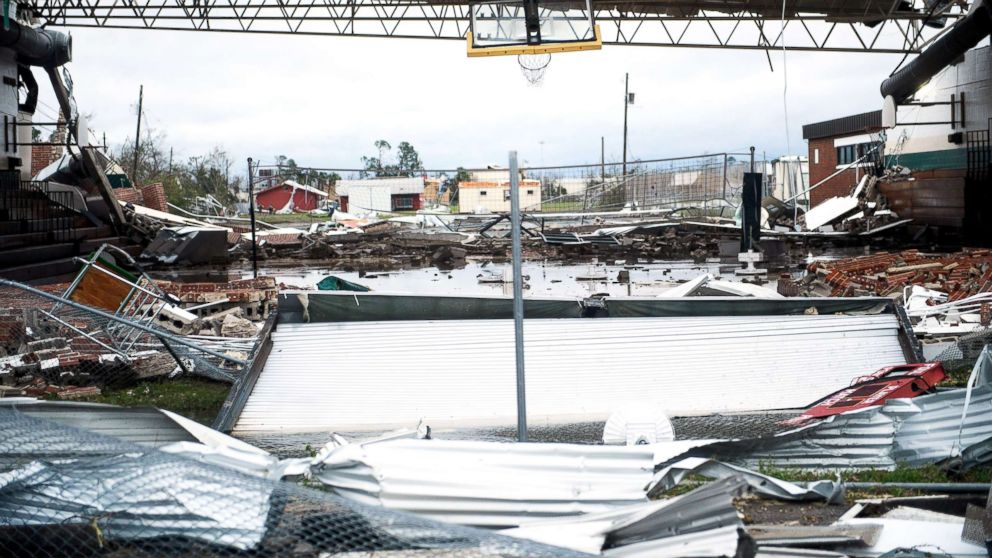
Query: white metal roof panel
(373, 375)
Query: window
(402, 202)
(506, 195)
(483, 192)
(847, 154)
(530, 192)
(816, 156)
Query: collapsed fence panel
(374, 375)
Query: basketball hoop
(533, 66)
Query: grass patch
(289, 218)
(928, 473)
(196, 399)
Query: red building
(289, 196)
(834, 144)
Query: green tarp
(332, 283)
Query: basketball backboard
(516, 27)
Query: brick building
(834, 144)
(44, 155)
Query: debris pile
(866, 209)
(255, 298)
(959, 275)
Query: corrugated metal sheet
(845, 126)
(914, 432)
(485, 483)
(146, 426)
(703, 522)
(371, 375)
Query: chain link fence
(68, 492)
(55, 347)
(706, 184)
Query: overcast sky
(324, 100)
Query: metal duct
(965, 34)
(37, 47)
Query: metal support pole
(251, 214)
(602, 159)
(518, 298)
(626, 102)
(137, 135)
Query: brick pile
(960, 275)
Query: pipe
(30, 103)
(963, 36)
(942, 487)
(37, 47)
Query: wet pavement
(540, 278)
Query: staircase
(41, 232)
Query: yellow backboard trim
(549, 48)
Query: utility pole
(137, 135)
(626, 103)
(251, 213)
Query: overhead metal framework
(875, 26)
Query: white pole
(518, 298)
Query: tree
(409, 159)
(407, 164)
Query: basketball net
(533, 66)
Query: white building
(494, 196)
(380, 195)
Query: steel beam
(863, 27)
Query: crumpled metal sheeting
(703, 522)
(914, 432)
(132, 492)
(666, 479)
(100, 492)
(485, 483)
(723, 542)
(932, 429)
(136, 497)
(859, 440)
(975, 455)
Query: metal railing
(31, 207)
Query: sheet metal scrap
(486, 483)
(960, 274)
(702, 522)
(130, 493)
(764, 485)
(891, 382)
(927, 429)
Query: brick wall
(42, 156)
(839, 185)
(129, 195)
(154, 196)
